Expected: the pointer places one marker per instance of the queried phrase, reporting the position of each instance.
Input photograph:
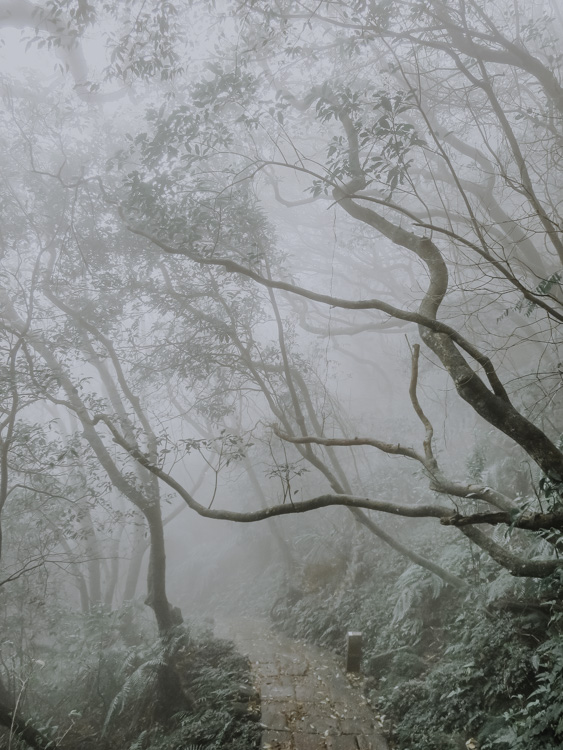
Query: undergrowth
(447, 669)
(102, 691)
(212, 674)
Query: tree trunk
(93, 556)
(138, 552)
(113, 574)
(156, 577)
(171, 697)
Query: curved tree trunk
(156, 577)
(171, 697)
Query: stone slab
(343, 742)
(275, 691)
(309, 742)
(310, 690)
(355, 726)
(277, 741)
(265, 669)
(274, 714)
(319, 723)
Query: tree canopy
(319, 243)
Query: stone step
(307, 701)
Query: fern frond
(137, 689)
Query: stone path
(307, 702)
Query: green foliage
(417, 589)
(476, 463)
(314, 616)
(142, 669)
(96, 683)
(443, 667)
(212, 673)
(485, 662)
(546, 287)
(377, 116)
(537, 720)
(552, 491)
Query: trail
(307, 702)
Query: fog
(280, 314)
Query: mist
(281, 452)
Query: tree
(60, 352)
(427, 149)
(401, 162)
(188, 233)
